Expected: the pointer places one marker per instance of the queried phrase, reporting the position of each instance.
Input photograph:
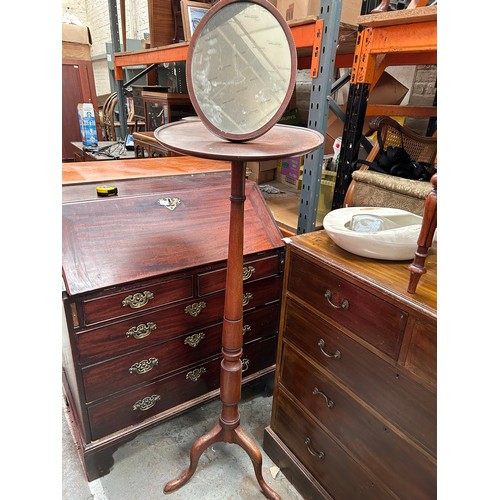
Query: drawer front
(167, 393)
(215, 281)
(334, 468)
(258, 293)
(399, 465)
(104, 379)
(262, 322)
(147, 401)
(124, 372)
(150, 328)
(258, 355)
(137, 300)
(374, 320)
(421, 358)
(157, 326)
(388, 389)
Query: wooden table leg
(228, 429)
(429, 224)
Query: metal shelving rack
(398, 38)
(318, 112)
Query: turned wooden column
(232, 330)
(424, 242)
(193, 138)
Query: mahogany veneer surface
(354, 409)
(143, 300)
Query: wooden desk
(147, 146)
(144, 298)
(79, 154)
(149, 167)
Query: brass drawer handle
(247, 297)
(195, 374)
(194, 340)
(143, 366)
(312, 451)
(146, 403)
(344, 305)
(170, 203)
(245, 364)
(329, 402)
(141, 331)
(195, 309)
(246, 329)
(137, 300)
(321, 345)
(247, 272)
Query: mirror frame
(241, 137)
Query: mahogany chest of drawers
(144, 279)
(354, 409)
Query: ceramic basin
(374, 232)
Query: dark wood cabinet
(354, 409)
(161, 108)
(78, 86)
(144, 285)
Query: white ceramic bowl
(375, 232)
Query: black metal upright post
(115, 43)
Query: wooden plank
(405, 16)
(89, 171)
(396, 110)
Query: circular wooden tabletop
(192, 137)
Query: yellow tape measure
(105, 190)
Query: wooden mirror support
(241, 68)
(266, 142)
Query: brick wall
(422, 94)
(95, 14)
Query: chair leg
(429, 224)
(383, 6)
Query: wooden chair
(383, 6)
(373, 189)
(108, 121)
(110, 125)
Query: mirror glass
(241, 68)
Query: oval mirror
(241, 68)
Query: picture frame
(192, 12)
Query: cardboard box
(261, 171)
(76, 42)
(388, 90)
(293, 10)
(291, 167)
(289, 171)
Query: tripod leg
(243, 440)
(197, 449)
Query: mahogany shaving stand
(193, 138)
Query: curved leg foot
(242, 439)
(197, 449)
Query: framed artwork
(192, 12)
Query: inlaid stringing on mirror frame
(241, 68)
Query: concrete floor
(143, 465)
